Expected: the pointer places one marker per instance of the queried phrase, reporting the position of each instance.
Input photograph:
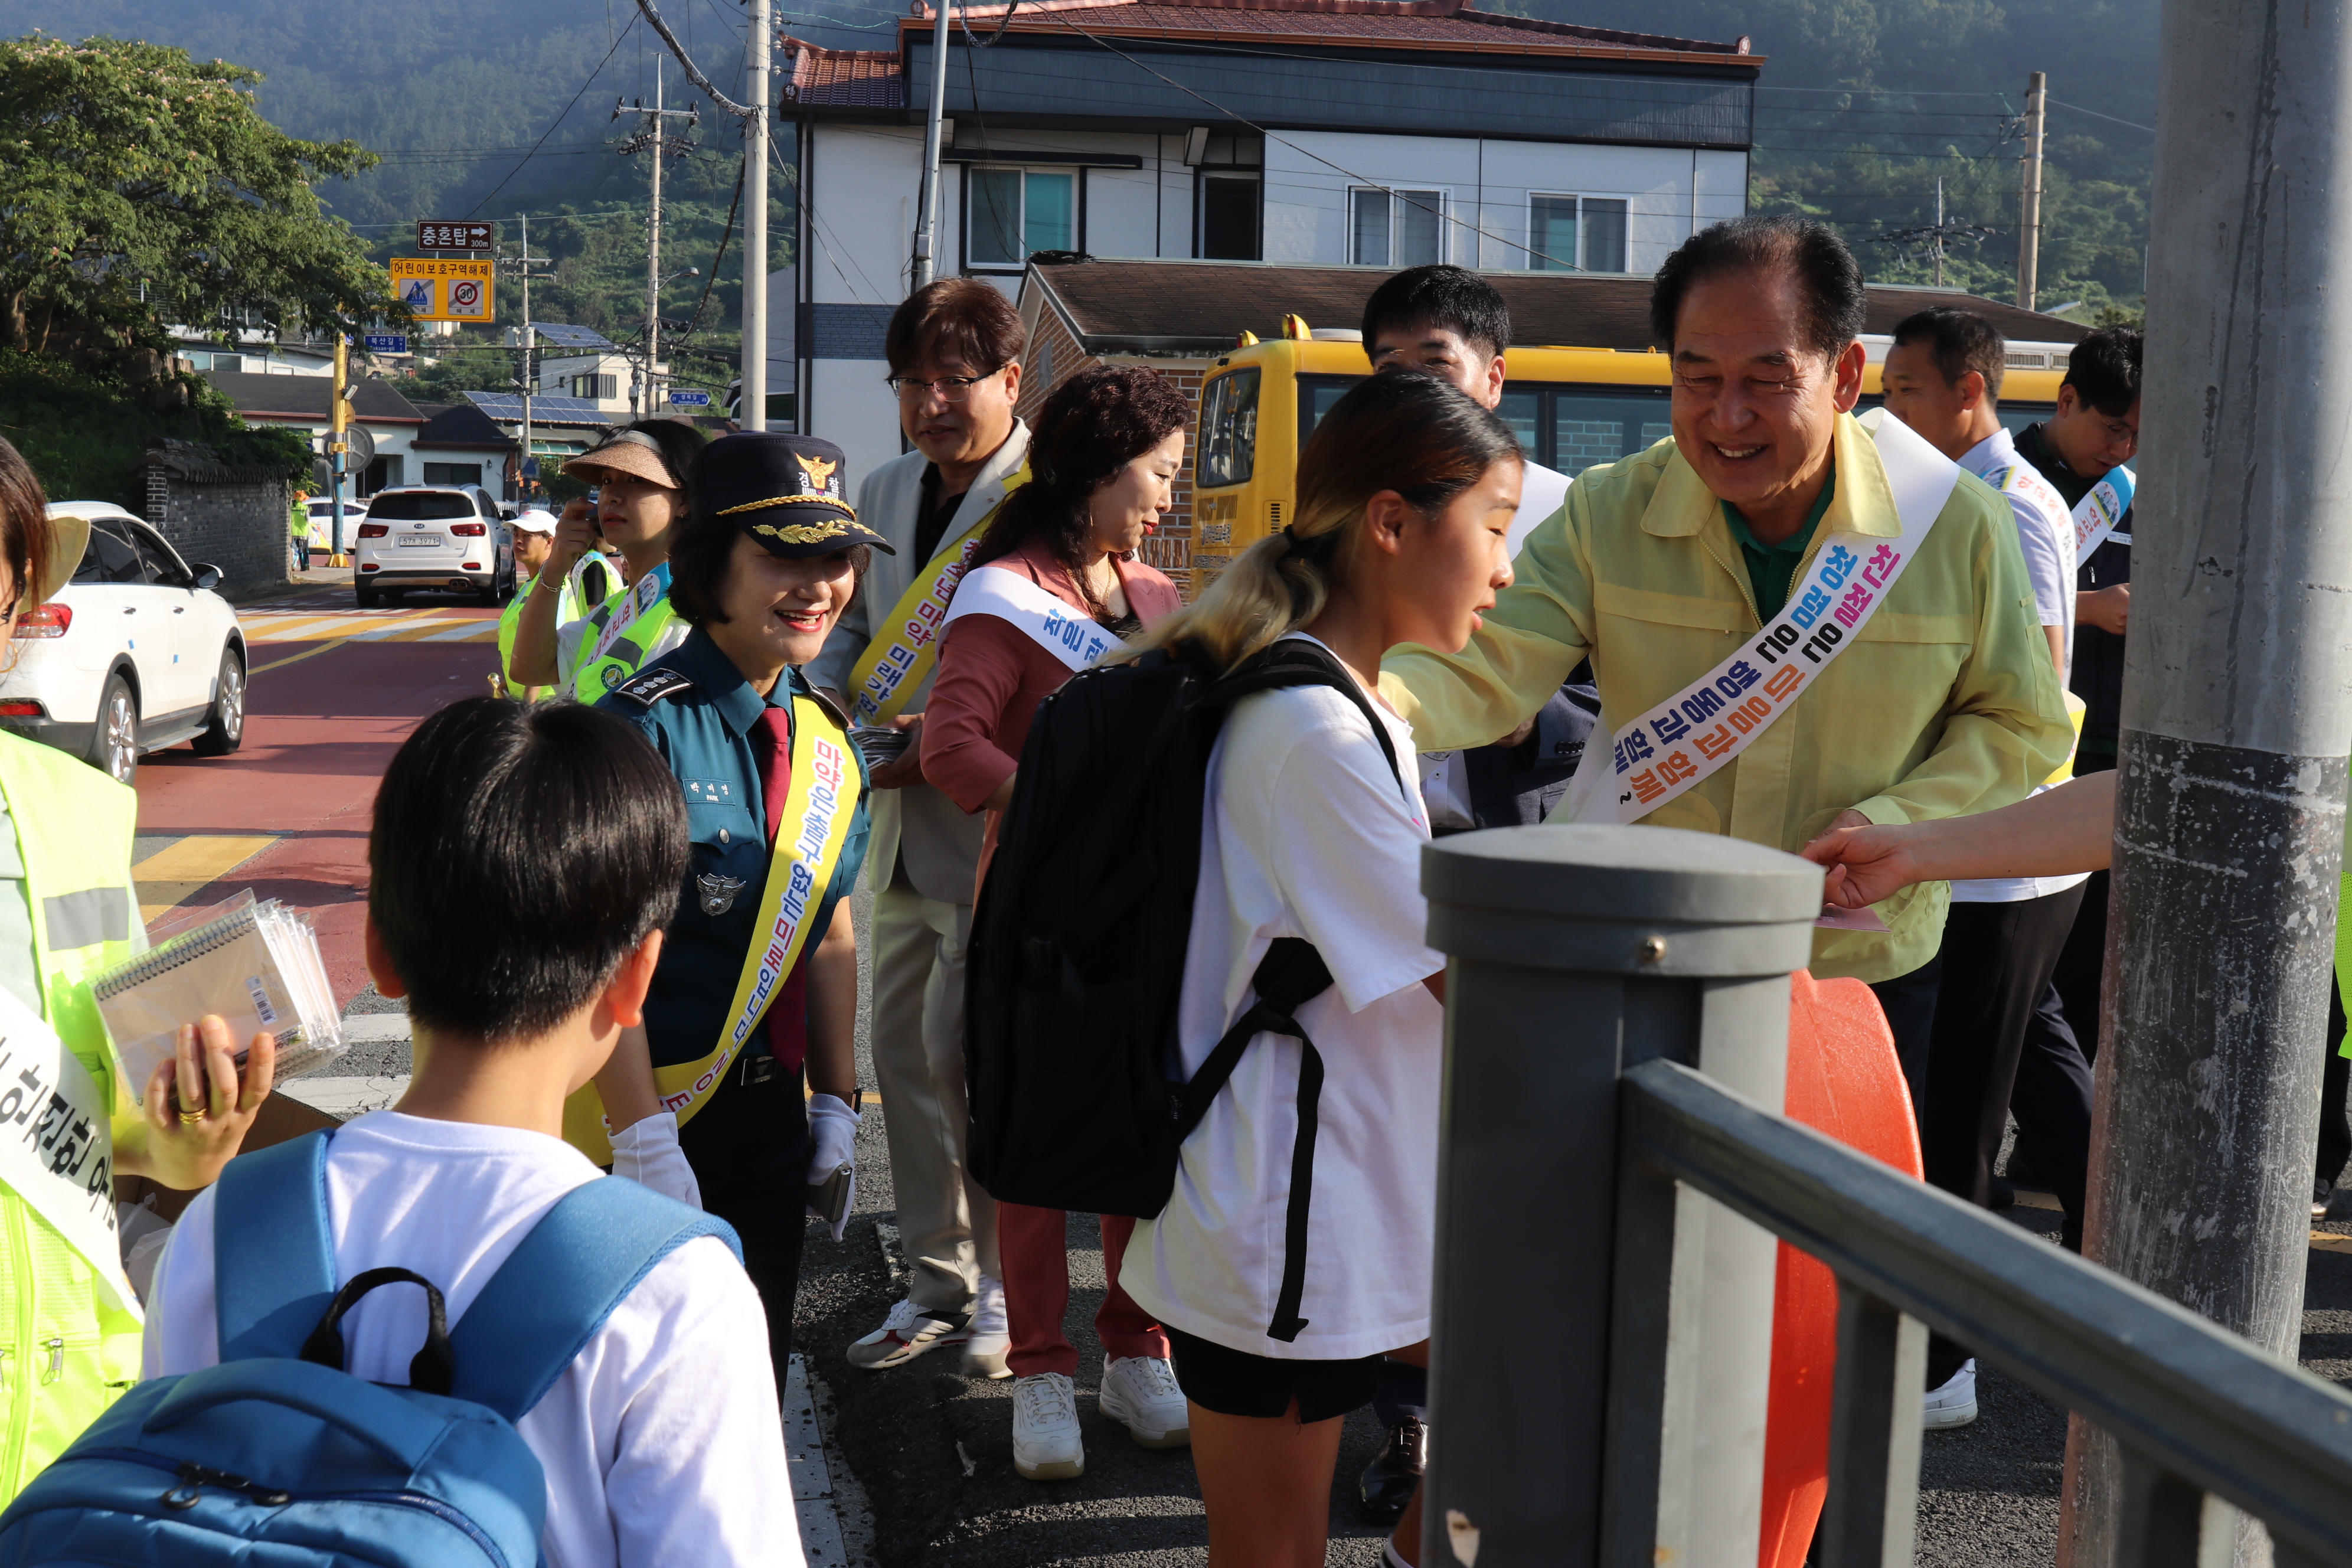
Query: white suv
(134, 654)
(433, 536)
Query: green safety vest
(640, 640)
(65, 1353)
(567, 608)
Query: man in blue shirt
(757, 976)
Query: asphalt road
(926, 1453)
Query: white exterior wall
(1487, 185)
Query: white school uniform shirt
(1306, 834)
(2046, 533)
(1445, 779)
(662, 1441)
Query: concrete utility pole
(653, 136)
(751, 403)
(337, 439)
(927, 225)
(523, 267)
(2237, 715)
(2028, 228)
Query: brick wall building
(226, 515)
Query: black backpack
(1077, 948)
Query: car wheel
(365, 597)
(114, 748)
(225, 725)
(490, 593)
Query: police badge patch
(718, 892)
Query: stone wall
(227, 516)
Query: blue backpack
(278, 1455)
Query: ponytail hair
(1401, 430)
(1094, 425)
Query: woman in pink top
(1057, 574)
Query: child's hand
(196, 1110)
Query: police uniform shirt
(697, 710)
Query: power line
(576, 96)
(2097, 115)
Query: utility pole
(1940, 231)
(339, 423)
(2028, 228)
(523, 266)
(927, 226)
(2236, 717)
(653, 136)
(751, 405)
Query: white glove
(832, 1128)
(648, 1154)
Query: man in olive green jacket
(1662, 565)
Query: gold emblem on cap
(834, 501)
(805, 532)
(817, 469)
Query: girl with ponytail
(1055, 581)
(1405, 493)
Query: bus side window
(1598, 426)
(1229, 430)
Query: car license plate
(432, 539)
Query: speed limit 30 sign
(445, 291)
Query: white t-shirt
(2045, 531)
(662, 1441)
(1308, 835)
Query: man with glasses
(1727, 587)
(954, 350)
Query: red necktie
(785, 1024)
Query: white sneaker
(983, 1352)
(1955, 1404)
(1047, 1445)
(1140, 1392)
(907, 1332)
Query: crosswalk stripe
(180, 870)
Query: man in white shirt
(661, 1441)
(2003, 936)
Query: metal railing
(1609, 1196)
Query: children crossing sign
(438, 290)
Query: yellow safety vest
(65, 1353)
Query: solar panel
(564, 335)
(508, 406)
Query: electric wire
(568, 108)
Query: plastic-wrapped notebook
(256, 964)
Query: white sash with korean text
(1702, 727)
(2101, 510)
(1071, 635)
(57, 1144)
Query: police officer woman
(68, 911)
(758, 978)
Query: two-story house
(1335, 133)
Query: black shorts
(1235, 1383)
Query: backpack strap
(549, 1298)
(273, 1249)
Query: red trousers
(1033, 1243)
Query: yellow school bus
(1571, 408)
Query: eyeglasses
(951, 388)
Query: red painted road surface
(319, 734)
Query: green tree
(140, 187)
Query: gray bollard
(1575, 1418)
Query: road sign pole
(2236, 717)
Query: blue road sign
(387, 343)
(530, 467)
(689, 400)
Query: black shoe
(2001, 1193)
(1390, 1479)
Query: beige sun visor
(70, 537)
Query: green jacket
(65, 1352)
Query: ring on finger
(189, 1118)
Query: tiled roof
(307, 397)
(846, 79)
(874, 78)
(1211, 302)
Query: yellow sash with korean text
(818, 809)
(906, 646)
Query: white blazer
(940, 843)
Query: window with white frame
(1010, 212)
(1393, 227)
(1576, 234)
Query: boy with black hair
(524, 952)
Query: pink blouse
(993, 675)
